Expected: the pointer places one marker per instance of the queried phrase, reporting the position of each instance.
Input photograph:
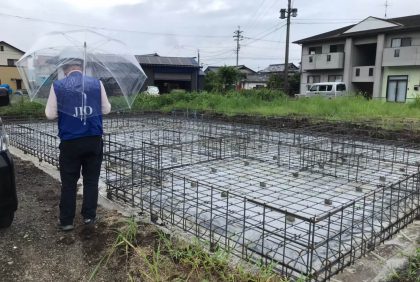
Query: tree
(224, 79)
(229, 76)
(275, 81)
(212, 82)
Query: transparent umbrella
(99, 56)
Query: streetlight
(286, 14)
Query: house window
(328, 58)
(1, 48)
(315, 50)
(401, 42)
(357, 72)
(370, 71)
(335, 78)
(311, 59)
(11, 62)
(313, 79)
(396, 53)
(397, 88)
(336, 48)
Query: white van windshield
(314, 88)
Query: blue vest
(69, 105)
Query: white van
(327, 89)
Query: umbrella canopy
(97, 57)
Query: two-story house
(379, 57)
(9, 74)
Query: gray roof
(5, 43)
(263, 78)
(279, 68)
(404, 23)
(239, 67)
(156, 60)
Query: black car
(8, 198)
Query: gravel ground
(33, 249)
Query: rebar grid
(310, 202)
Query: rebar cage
(304, 200)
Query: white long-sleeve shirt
(51, 111)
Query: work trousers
(82, 154)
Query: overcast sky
(180, 27)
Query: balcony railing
(401, 56)
(323, 61)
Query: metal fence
(307, 201)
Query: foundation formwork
(309, 203)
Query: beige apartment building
(379, 57)
(9, 74)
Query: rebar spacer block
(328, 202)
(290, 218)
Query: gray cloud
(207, 25)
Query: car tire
(6, 219)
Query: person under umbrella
(80, 133)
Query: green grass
(264, 103)
(344, 108)
(410, 272)
(166, 259)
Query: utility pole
(238, 37)
(290, 12)
(199, 68)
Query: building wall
(9, 75)
(325, 46)
(413, 74)
(252, 85)
(415, 38)
(186, 77)
(9, 53)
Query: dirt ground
(33, 249)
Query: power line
(113, 29)
(253, 40)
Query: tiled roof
(155, 59)
(404, 23)
(278, 68)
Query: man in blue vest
(78, 101)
